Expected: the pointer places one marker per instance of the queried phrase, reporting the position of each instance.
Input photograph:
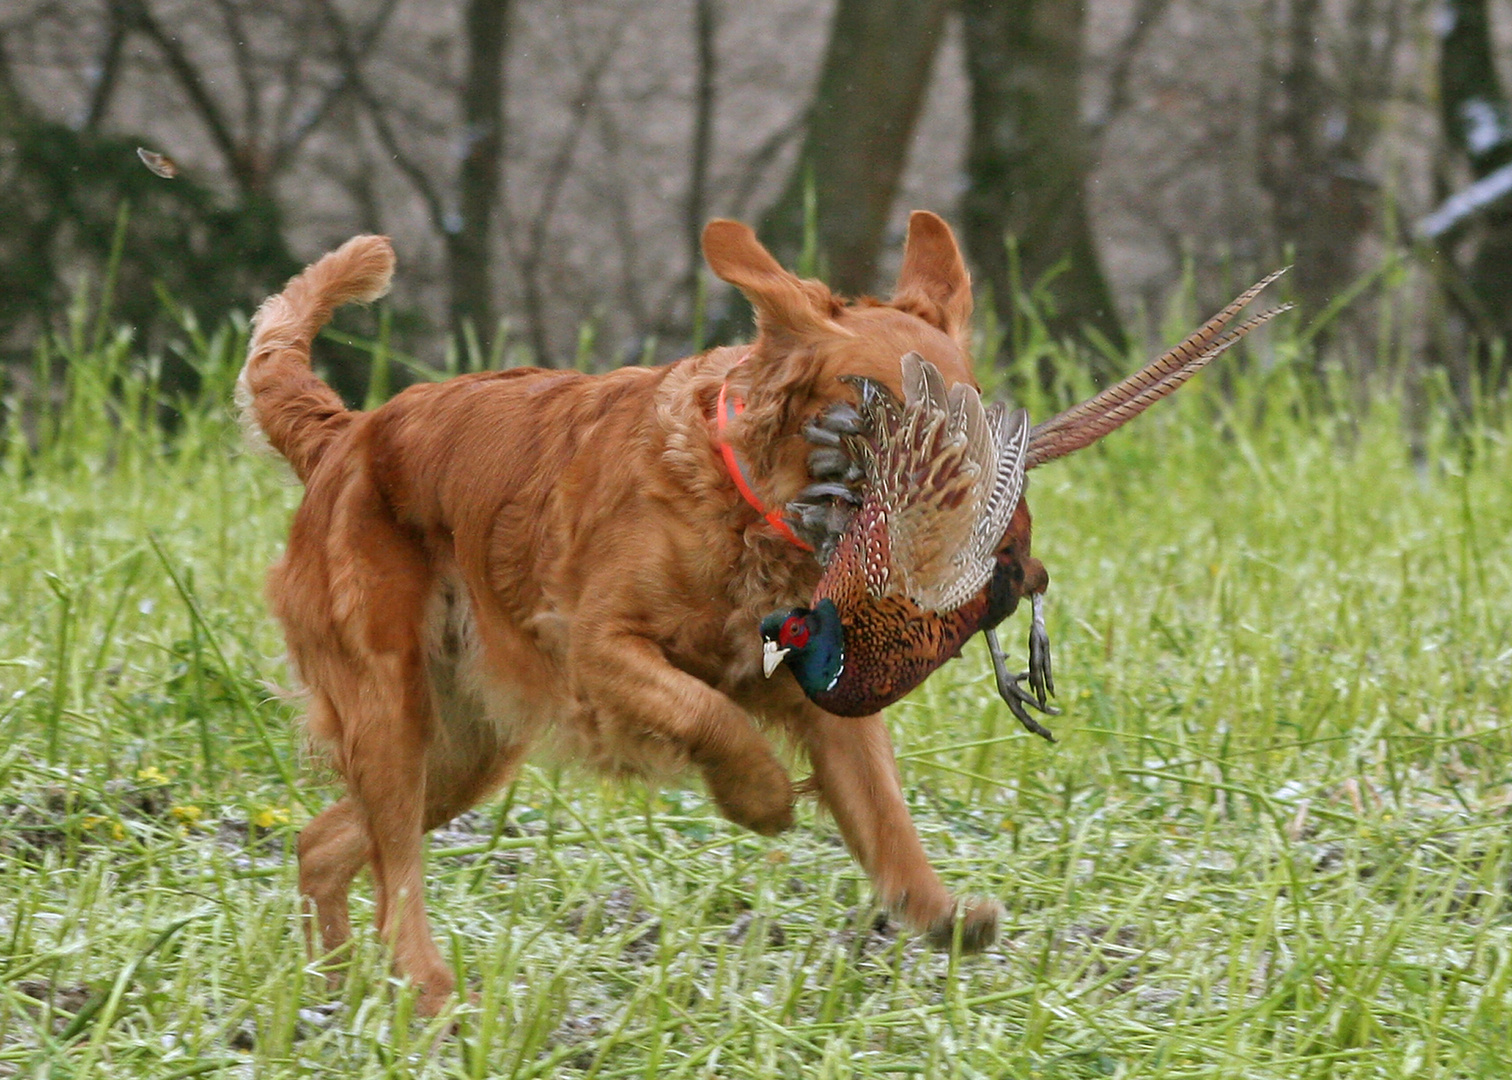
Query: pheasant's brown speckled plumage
(908, 578)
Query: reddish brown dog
(524, 557)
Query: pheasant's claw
(1013, 694)
(1041, 676)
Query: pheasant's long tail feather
(1083, 424)
(278, 393)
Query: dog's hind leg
(385, 765)
(332, 849)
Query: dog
(535, 558)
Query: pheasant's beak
(771, 657)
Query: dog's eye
(794, 633)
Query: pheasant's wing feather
(943, 477)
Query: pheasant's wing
(943, 477)
(1010, 429)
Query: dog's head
(808, 337)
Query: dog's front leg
(856, 777)
(630, 684)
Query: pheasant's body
(891, 644)
(911, 577)
(939, 547)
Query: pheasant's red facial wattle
(794, 633)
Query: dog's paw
(758, 796)
(978, 921)
(434, 992)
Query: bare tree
(1328, 78)
(485, 30)
(705, 31)
(461, 209)
(860, 125)
(1028, 161)
(1477, 122)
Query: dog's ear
(786, 305)
(933, 283)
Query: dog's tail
(278, 394)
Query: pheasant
(907, 583)
(936, 545)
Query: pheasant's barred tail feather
(1083, 424)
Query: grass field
(1272, 841)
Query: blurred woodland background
(545, 166)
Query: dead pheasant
(907, 583)
(938, 547)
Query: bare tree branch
(705, 31)
(612, 191)
(351, 64)
(107, 69)
(764, 157)
(486, 30)
(1147, 16)
(243, 170)
(241, 56)
(861, 122)
(312, 117)
(557, 172)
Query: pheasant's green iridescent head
(810, 642)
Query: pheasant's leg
(1041, 680)
(1013, 694)
(856, 778)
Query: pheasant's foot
(1013, 694)
(1041, 679)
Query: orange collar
(728, 408)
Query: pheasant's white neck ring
(730, 406)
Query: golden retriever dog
(535, 558)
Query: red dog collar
(728, 408)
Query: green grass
(1272, 841)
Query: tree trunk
(859, 128)
(486, 31)
(1027, 161)
(705, 31)
(1300, 162)
(1477, 121)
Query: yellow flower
(118, 831)
(151, 775)
(271, 816)
(188, 813)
